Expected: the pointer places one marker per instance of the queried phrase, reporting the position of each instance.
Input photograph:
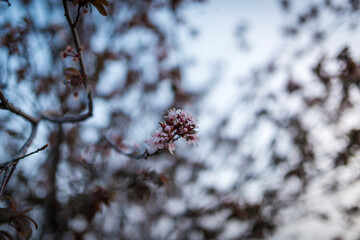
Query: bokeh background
(274, 85)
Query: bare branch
(5, 104)
(21, 153)
(27, 155)
(10, 166)
(72, 119)
(28, 142)
(77, 17)
(6, 179)
(133, 155)
(7, 1)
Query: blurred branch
(72, 119)
(77, 17)
(7, 1)
(27, 144)
(134, 155)
(50, 221)
(13, 161)
(9, 167)
(5, 104)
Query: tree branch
(28, 142)
(50, 221)
(10, 166)
(77, 17)
(134, 155)
(5, 104)
(72, 119)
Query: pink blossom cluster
(177, 124)
(69, 52)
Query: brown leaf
(31, 220)
(23, 227)
(73, 72)
(73, 77)
(102, 195)
(101, 2)
(100, 8)
(164, 180)
(141, 190)
(13, 204)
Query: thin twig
(28, 142)
(77, 17)
(4, 182)
(73, 119)
(10, 166)
(21, 153)
(29, 154)
(34, 122)
(134, 155)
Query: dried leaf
(101, 2)
(100, 8)
(164, 180)
(71, 72)
(23, 227)
(31, 220)
(73, 77)
(13, 204)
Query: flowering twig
(83, 72)
(75, 37)
(178, 124)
